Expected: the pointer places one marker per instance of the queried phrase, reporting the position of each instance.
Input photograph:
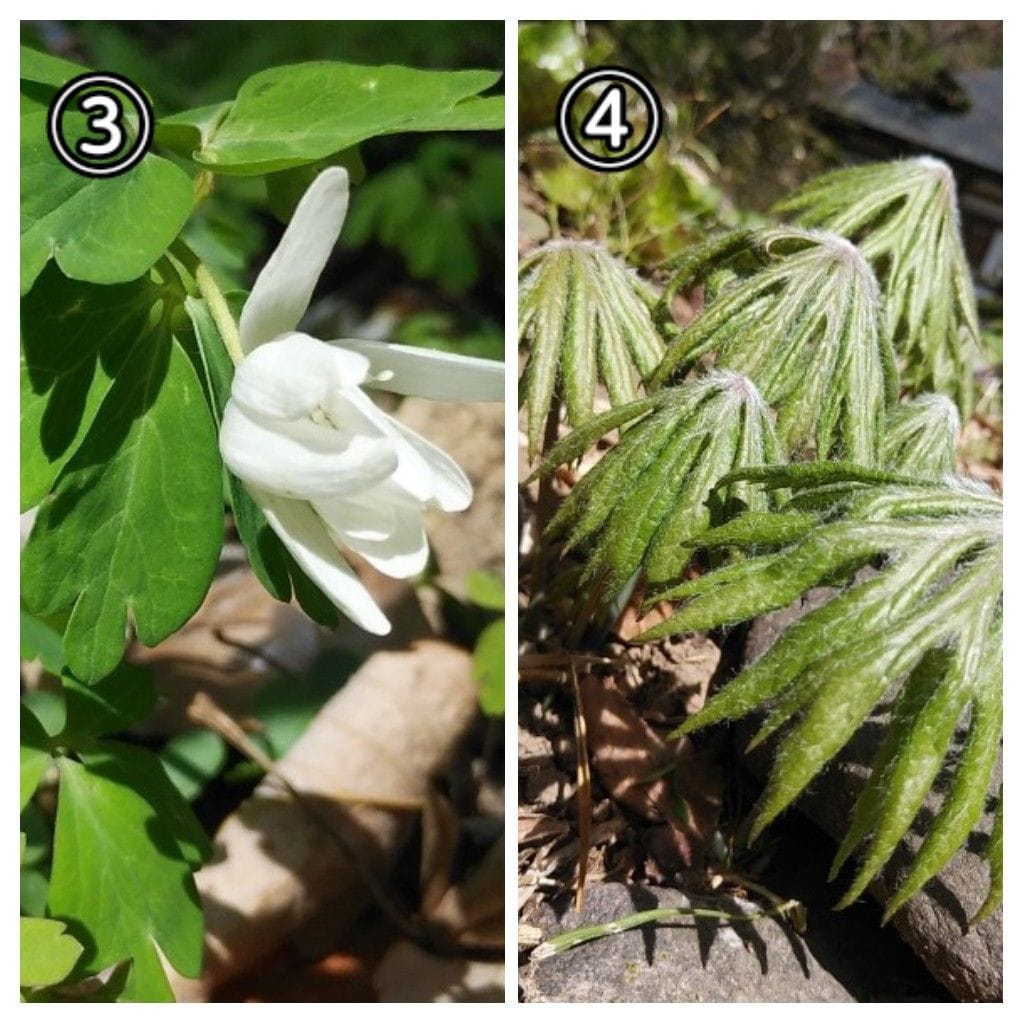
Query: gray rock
(698, 961)
(968, 962)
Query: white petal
(306, 538)
(427, 373)
(292, 376)
(450, 488)
(285, 285)
(302, 459)
(390, 537)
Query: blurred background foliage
(739, 102)
(421, 256)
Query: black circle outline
(142, 106)
(639, 85)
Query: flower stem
(222, 317)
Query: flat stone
(698, 961)
(968, 962)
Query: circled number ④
(607, 120)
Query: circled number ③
(105, 148)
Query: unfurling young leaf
(583, 316)
(927, 625)
(903, 216)
(798, 313)
(643, 505)
(920, 437)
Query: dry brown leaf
(394, 725)
(661, 782)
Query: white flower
(324, 463)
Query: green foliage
(643, 505)
(121, 867)
(98, 230)
(288, 116)
(489, 668)
(192, 759)
(133, 529)
(431, 207)
(924, 628)
(920, 437)
(48, 953)
(584, 316)
(903, 216)
(124, 376)
(797, 312)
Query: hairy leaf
(926, 624)
(643, 505)
(920, 437)
(903, 215)
(799, 316)
(583, 316)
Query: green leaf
(40, 641)
(273, 565)
(48, 953)
(292, 115)
(903, 215)
(34, 886)
(927, 620)
(647, 500)
(191, 129)
(46, 69)
(133, 529)
(920, 437)
(35, 754)
(489, 668)
(801, 320)
(119, 877)
(486, 590)
(74, 341)
(103, 230)
(583, 316)
(123, 698)
(192, 759)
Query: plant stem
(222, 317)
(578, 936)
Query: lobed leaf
(903, 216)
(299, 113)
(801, 320)
(643, 505)
(121, 875)
(133, 530)
(584, 318)
(925, 621)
